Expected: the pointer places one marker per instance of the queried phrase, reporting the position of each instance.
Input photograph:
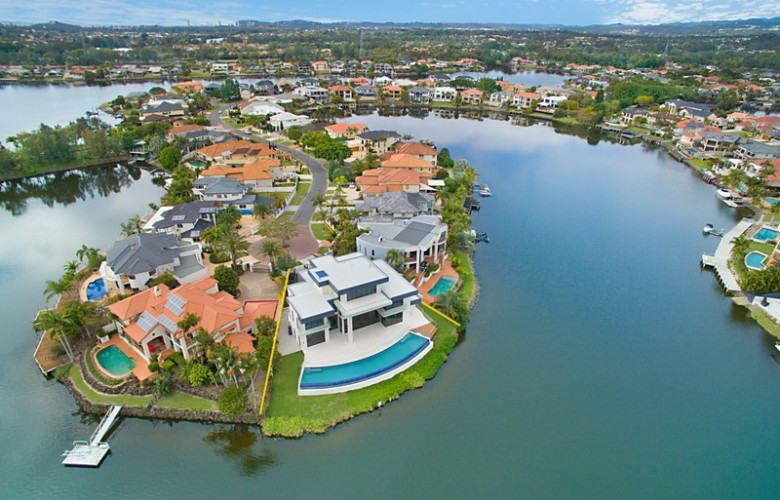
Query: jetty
(720, 261)
(91, 453)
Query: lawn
(100, 398)
(185, 401)
(290, 415)
(319, 231)
(698, 163)
(300, 192)
(286, 215)
(766, 322)
(755, 246)
(465, 272)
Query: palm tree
(261, 210)
(53, 320)
(271, 249)
(89, 256)
(132, 226)
(204, 341)
(464, 240)
(233, 245)
(741, 245)
(71, 267)
(225, 360)
(54, 288)
(188, 322)
(451, 304)
(396, 260)
(80, 315)
(318, 202)
(247, 365)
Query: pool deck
(141, 370)
(445, 270)
(367, 342)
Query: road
(305, 244)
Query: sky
(565, 12)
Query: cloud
(665, 11)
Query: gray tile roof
(142, 253)
(186, 213)
(398, 202)
(378, 135)
(220, 185)
(163, 107)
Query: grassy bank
(300, 193)
(766, 322)
(290, 415)
(466, 274)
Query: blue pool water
(114, 361)
(96, 290)
(444, 285)
(356, 371)
(755, 261)
(765, 234)
(772, 201)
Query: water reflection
(237, 443)
(65, 188)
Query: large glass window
(362, 291)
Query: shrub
(232, 401)
(263, 352)
(216, 258)
(62, 370)
(177, 358)
(227, 279)
(168, 365)
(198, 375)
(153, 366)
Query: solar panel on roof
(207, 210)
(146, 321)
(194, 234)
(175, 304)
(177, 217)
(168, 323)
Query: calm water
(600, 361)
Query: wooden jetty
(91, 453)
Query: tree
(62, 285)
(453, 305)
(264, 326)
(318, 202)
(741, 245)
(283, 230)
(225, 360)
(227, 279)
(396, 260)
(272, 249)
(188, 322)
(232, 401)
(445, 161)
(170, 157)
(229, 216)
(263, 351)
(163, 384)
(80, 315)
(132, 226)
(261, 210)
(285, 263)
(180, 190)
(90, 256)
(52, 320)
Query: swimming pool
(772, 201)
(198, 164)
(96, 290)
(766, 234)
(444, 285)
(114, 361)
(361, 370)
(755, 261)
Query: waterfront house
(187, 221)
(409, 162)
(132, 261)
(345, 130)
(147, 321)
(191, 87)
(421, 239)
(341, 91)
(631, 113)
(756, 151)
(444, 94)
(235, 152)
(420, 95)
(265, 87)
(165, 108)
(366, 92)
(316, 94)
(392, 92)
(471, 97)
(718, 141)
(385, 180)
(344, 296)
(378, 141)
(420, 150)
(396, 205)
(320, 67)
(524, 99)
(500, 98)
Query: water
(96, 290)
(442, 286)
(755, 260)
(366, 368)
(600, 361)
(114, 361)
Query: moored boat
(485, 191)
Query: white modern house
(422, 240)
(186, 220)
(344, 296)
(444, 94)
(132, 261)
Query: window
(361, 291)
(393, 320)
(396, 303)
(308, 325)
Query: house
(383, 68)
(377, 181)
(341, 91)
(132, 261)
(219, 68)
(265, 87)
(186, 221)
(396, 205)
(552, 101)
(235, 152)
(420, 150)
(219, 189)
(392, 92)
(320, 67)
(718, 141)
(383, 81)
(500, 98)
(420, 94)
(256, 174)
(285, 120)
(756, 151)
(773, 176)
(316, 94)
(147, 321)
(165, 109)
(182, 130)
(471, 97)
(422, 240)
(260, 108)
(444, 94)
(378, 141)
(631, 113)
(366, 92)
(344, 296)
(191, 87)
(346, 130)
(524, 99)
(410, 162)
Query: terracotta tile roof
(183, 129)
(474, 92)
(217, 150)
(393, 88)
(256, 170)
(256, 308)
(241, 342)
(416, 148)
(383, 180)
(339, 88)
(775, 177)
(404, 160)
(343, 128)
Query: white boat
(724, 193)
(485, 191)
(777, 345)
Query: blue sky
(567, 12)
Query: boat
(777, 345)
(710, 229)
(485, 191)
(481, 237)
(724, 193)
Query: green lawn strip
(698, 163)
(96, 373)
(465, 272)
(754, 246)
(290, 415)
(100, 398)
(181, 400)
(300, 193)
(286, 215)
(319, 230)
(766, 322)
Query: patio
(141, 370)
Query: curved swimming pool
(381, 363)
(444, 285)
(96, 289)
(755, 261)
(114, 361)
